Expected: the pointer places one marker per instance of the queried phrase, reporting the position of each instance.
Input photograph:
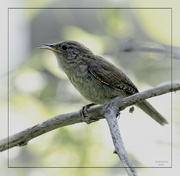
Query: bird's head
(67, 49)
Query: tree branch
(94, 114)
(110, 112)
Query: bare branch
(110, 112)
(94, 114)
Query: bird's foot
(84, 110)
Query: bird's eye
(64, 47)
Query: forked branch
(23, 137)
(108, 110)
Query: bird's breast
(90, 87)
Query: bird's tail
(152, 112)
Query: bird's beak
(49, 47)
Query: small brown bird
(94, 77)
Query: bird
(97, 79)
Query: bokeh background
(138, 41)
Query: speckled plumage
(94, 77)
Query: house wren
(94, 77)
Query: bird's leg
(84, 110)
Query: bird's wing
(108, 74)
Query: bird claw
(83, 111)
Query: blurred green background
(38, 89)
